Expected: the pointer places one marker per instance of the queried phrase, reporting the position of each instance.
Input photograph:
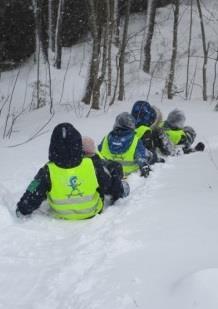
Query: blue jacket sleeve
(141, 154)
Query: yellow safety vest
(175, 135)
(141, 130)
(125, 159)
(74, 194)
(100, 155)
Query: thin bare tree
(215, 76)
(205, 51)
(116, 23)
(189, 51)
(99, 20)
(58, 35)
(101, 75)
(150, 16)
(9, 104)
(122, 51)
(51, 24)
(110, 6)
(95, 58)
(170, 92)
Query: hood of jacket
(176, 119)
(65, 148)
(119, 140)
(143, 113)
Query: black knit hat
(65, 148)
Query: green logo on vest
(33, 186)
(74, 184)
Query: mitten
(145, 170)
(200, 146)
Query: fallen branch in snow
(5, 100)
(35, 135)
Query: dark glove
(200, 146)
(145, 170)
(160, 160)
(187, 150)
(18, 213)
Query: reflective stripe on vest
(73, 192)
(141, 130)
(78, 200)
(175, 136)
(76, 212)
(100, 155)
(126, 159)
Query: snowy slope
(157, 248)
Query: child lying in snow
(179, 134)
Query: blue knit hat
(143, 113)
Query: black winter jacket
(66, 152)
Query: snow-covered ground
(156, 249)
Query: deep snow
(156, 249)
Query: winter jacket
(115, 171)
(162, 142)
(145, 134)
(154, 139)
(119, 142)
(65, 152)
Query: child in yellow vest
(69, 181)
(122, 145)
(179, 134)
(117, 187)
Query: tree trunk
(40, 25)
(122, 51)
(151, 13)
(205, 51)
(189, 52)
(58, 36)
(215, 75)
(100, 79)
(51, 25)
(95, 59)
(116, 23)
(110, 38)
(174, 51)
